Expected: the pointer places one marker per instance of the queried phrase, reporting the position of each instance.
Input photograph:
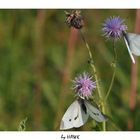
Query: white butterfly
(132, 42)
(77, 114)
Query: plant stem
(114, 72)
(96, 78)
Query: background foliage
(37, 66)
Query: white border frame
(69, 4)
(80, 135)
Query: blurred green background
(39, 57)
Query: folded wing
(94, 112)
(75, 116)
(134, 43)
(127, 42)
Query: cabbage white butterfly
(77, 114)
(132, 42)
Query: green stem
(96, 78)
(114, 72)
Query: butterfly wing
(127, 42)
(94, 112)
(134, 40)
(75, 116)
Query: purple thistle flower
(113, 27)
(83, 85)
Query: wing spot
(69, 120)
(76, 118)
(96, 114)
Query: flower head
(83, 85)
(74, 19)
(113, 27)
